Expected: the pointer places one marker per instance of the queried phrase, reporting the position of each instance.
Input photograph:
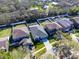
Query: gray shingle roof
(64, 23)
(37, 31)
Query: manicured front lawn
(5, 32)
(39, 46)
(41, 52)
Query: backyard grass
(5, 32)
(43, 23)
(22, 25)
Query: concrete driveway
(47, 45)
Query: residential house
(66, 24)
(20, 36)
(4, 39)
(76, 22)
(38, 33)
(52, 27)
(4, 43)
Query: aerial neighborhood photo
(39, 29)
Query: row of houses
(21, 34)
(39, 33)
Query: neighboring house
(38, 33)
(4, 39)
(76, 22)
(20, 36)
(52, 27)
(66, 24)
(4, 43)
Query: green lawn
(43, 24)
(76, 32)
(18, 53)
(40, 53)
(22, 25)
(38, 46)
(52, 40)
(5, 32)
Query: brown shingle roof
(17, 33)
(52, 26)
